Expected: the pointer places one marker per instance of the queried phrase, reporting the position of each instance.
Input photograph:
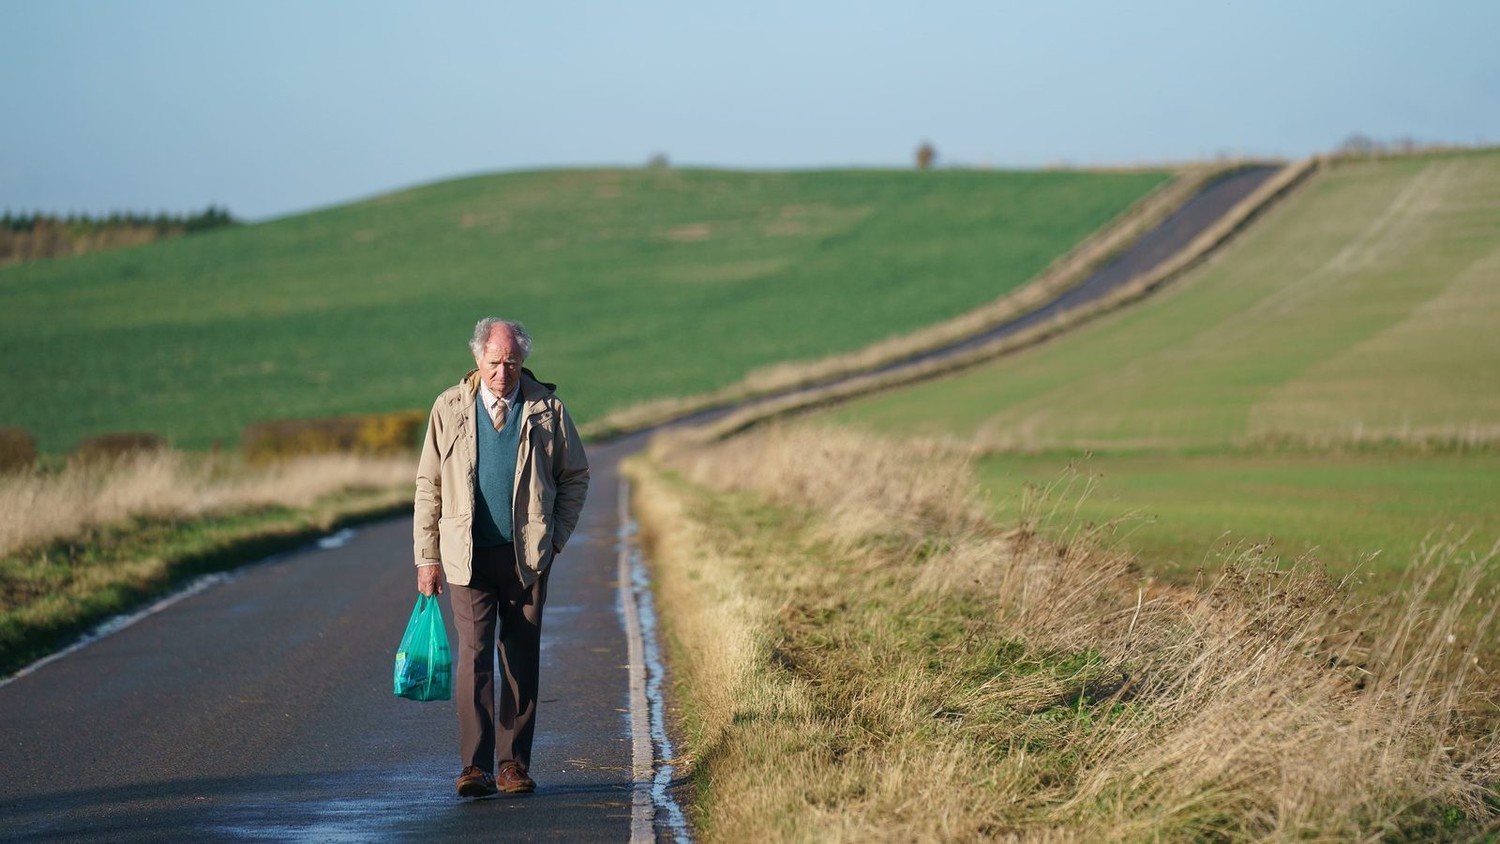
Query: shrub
(374, 433)
(391, 433)
(281, 438)
(108, 448)
(17, 450)
(926, 155)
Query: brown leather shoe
(512, 779)
(474, 782)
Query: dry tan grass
(42, 507)
(866, 658)
(724, 622)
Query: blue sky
(274, 106)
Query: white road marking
(120, 622)
(114, 625)
(642, 809)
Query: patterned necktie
(498, 414)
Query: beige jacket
(552, 479)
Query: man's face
(500, 362)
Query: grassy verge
(119, 540)
(864, 654)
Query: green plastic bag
(424, 665)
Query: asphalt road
(1169, 237)
(260, 708)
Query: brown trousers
(495, 595)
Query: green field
(1357, 317)
(1372, 513)
(637, 284)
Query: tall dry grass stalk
(41, 507)
(867, 657)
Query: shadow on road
(332, 806)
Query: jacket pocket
(455, 539)
(448, 441)
(534, 541)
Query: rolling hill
(1331, 378)
(637, 284)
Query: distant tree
(658, 161)
(926, 154)
(1360, 144)
(30, 236)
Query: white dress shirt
(498, 407)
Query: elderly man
(499, 488)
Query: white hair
(486, 326)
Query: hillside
(638, 284)
(1351, 330)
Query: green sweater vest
(495, 484)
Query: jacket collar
(531, 389)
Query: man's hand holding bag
(424, 664)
